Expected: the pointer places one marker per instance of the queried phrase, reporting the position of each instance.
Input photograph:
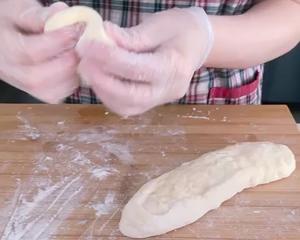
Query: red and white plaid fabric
(208, 85)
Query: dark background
(282, 81)
(281, 84)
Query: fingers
(33, 19)
(146, 36)
(42, 47)
(144, 67)
(58, 93)
(136, 38)
(123, 97)
(132, 39)
(53, 80)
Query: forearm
(268, 30)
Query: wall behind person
(9, 94)
(282, 79)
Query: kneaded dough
(185, 194)
(94, 29)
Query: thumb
(144, 37)
(33, 19)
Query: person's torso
(208, 86)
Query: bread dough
(185, 194)
(94, 29)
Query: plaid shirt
(208, 85)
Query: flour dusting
(23, 218)
(105, 207)
(64, 170)
(28, 130)
(195, 117)
(120, 151)
(61, 123)
(102, 173)
(71, 167)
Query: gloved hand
(43, 65)
(153, 62)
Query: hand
(43, 65)
(153, 62)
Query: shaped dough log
(94, 29)
(183, 195)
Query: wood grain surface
(66, 171)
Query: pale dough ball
(94, 29)
(94, 24)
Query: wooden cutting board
(66, 171)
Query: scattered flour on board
(22, 219)
(195, 117)
(60, 123)
(27, 129)
(119, 150)
(205, 116)
(54, 191)
(105, 207)
(102, 173)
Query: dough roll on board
(185, 194)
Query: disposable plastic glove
(153, 62)
(43, 65)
